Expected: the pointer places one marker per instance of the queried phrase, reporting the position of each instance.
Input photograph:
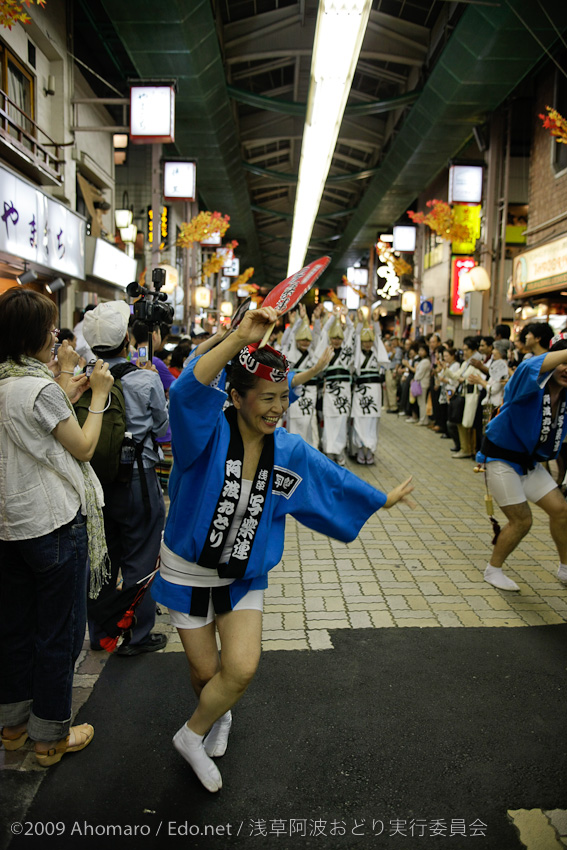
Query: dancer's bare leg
(241, 636)
(519, 523)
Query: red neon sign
(459, 266)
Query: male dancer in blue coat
(529, 429)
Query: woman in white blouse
(50, 525)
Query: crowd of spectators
(461, 389)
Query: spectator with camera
(50, 526)
(134, 513)
(142, 333)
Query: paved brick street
(407, 569)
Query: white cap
(106, 325)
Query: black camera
(150, 307)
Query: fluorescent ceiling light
(341, 25)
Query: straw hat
(367, 333)
(304, 331)
(336, 329)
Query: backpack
(106, 458)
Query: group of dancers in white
(339, 410)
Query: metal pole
(504, 210)
(156, 205)
(489, 247)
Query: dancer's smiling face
(262, 406)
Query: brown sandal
(11, 742)
(83, 734)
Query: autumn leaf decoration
(12, 12)
(556, 124)
(241, 282)
(361, 292)
(202, 226)
(441, 219)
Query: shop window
(433, 249)
(18, 85)
(560, 151)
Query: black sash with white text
(228, 501)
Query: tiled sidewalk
(420, 567)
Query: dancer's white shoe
(217, 739)
(495, 576)
(190, 746)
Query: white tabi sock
(496, 577)
(562, 573)
(217, 739)
(190, 746)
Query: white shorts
(510, 488)
(252, 601)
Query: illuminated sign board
(37, 228)
(404, 238)
(468, 215)
(152, 115)
(232, 268)
(465, 184)
(106, 262)
(179, 181)
(542, 269)
(459, 266)
(164, 216)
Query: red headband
(558, 338)
(247, 360)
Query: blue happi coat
(303, 483)
(518, 424)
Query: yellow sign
(469, 216)
(164, 226)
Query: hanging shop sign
(213, 240)
(38, 229)
(232, 268)
(469, 216)
(404, 238)
(108, 263)
(465, 184)
(542, 269)
(459, 267)
(179, 181)
(152, 115)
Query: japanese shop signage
(542, 269)
(179, 181)
(459, 265)
(152, 114)
(36, 228)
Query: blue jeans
(43, 600)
